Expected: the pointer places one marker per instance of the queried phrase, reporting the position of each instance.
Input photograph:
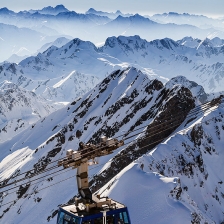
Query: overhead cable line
(101, 164)
(54, 167)
(132, 141)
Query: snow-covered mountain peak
(133, 20)
(6, 11)
(51, 10)
(167, 43)
(138, 19)
(206, 43)
(197, 43)
(217, 42)
(60, 7)
(189, 42)
(128, 43)
(111, 42)
(68, 14)
(124, 76)
(110, 15)
(136, 43)
(196, 90)
(172, 13)
(82, 44)
(121, 19)
(91, 10)
(69, 49)
(163, 58)
(47, 52)
(59, 42)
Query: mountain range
(111, 15)
(191, 19)
(50, 23)
(50, 10)
(198, 60)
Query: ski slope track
(179, 178)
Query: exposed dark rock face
(196, 135)
(194, 158)
(172, 109)
(22, 190)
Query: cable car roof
(75, 210)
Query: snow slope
(147, 195)
(19, 109)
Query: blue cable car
(91, 209)
(117, 214)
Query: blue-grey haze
(205, 7)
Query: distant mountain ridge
(111, 15)
(97, 26)
(186, 18)
(13, 39)
(164, 59)
(50, 10)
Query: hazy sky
(206, 7)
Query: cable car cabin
(117, 213)
(90, 208)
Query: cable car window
(75, 221)
(98, 221)
(110, 219)
(67, 217)
(61, 216)
(123, 218)
(120, 219)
